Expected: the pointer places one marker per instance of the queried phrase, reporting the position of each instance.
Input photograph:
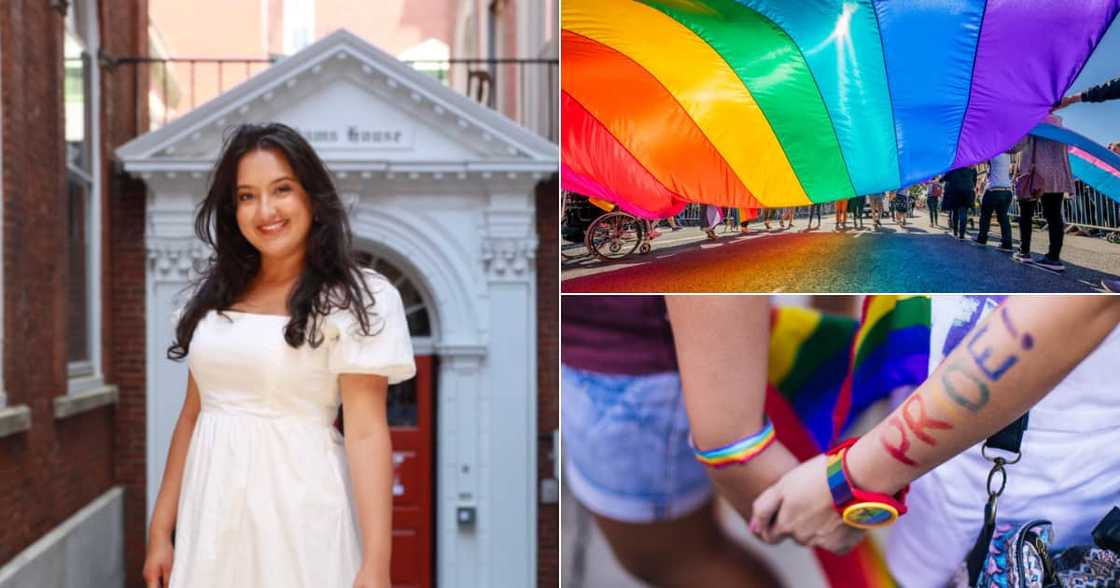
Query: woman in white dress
(260, 488)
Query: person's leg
(962, 221)
(1026, 214)
(687, 551)
(650, 497)
(1055, 223)
(1002, 203)
(986, 209)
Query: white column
(172, 253)
(460, 381)
(508, 405)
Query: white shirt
(999, 174)
(1069, 473)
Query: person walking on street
(997, 199)
(841, 215)
(876, 201)
(714, 216)
(814, 209)
(855, 206)
(960, 192)
(933, 199)
(1045, 178)
(1102, 93)
(900, 206)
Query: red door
(410, 427)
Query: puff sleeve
(387, 352)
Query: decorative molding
(507, 258)
(14, 419)
(175, 259)
(69, 405)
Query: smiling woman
(257, 491)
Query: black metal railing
(526, 90)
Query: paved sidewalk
(914, 258)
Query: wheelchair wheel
(615, 235)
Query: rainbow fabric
(772, 103)
(1090, 162)
(824, 371)
(814, 356)
(890, 351)
(809, 353)
(738, 452)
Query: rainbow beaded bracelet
(738, 452)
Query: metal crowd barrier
(1089, 210)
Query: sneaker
(1021, 258)
(961, 237)
(1111, 285)
(1005, 249)
(1050, 264)
(677, 228)
(979, 243)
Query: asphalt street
(915, 258)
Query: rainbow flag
(775, 103)
(824, 371)
(829, 369)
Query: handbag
(1008, 555)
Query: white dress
(266, 498)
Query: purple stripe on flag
(1029, 53)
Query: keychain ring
(984, 452)
(1003, 481)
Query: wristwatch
(860, 508)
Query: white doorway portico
(438, 187)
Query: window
(83, 196)
(415, 309)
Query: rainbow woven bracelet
(736, 453)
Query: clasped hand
(799, 506)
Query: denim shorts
(625, 446)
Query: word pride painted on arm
(993, 349)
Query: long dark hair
(331, 278)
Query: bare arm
(369, 455)
(1002, 368)
(159, 556)
(1005, 365)
(167, 503)
(723, 347)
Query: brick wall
(124, 32)
(548, 379)
(57, 467)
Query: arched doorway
(411, 415)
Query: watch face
(869, 515)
